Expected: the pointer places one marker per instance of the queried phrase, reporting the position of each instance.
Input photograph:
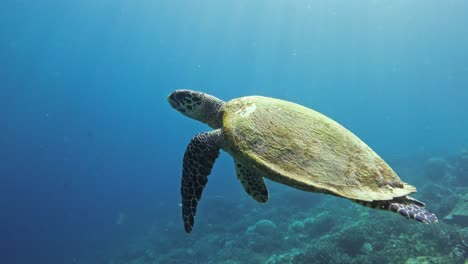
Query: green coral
(286, 257)
(427, 260)
(262, 227)
(263, 236)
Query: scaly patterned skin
(199, 106)
(199, 158)
(254, 185)
(406, 206)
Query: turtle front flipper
(253, 184)
(199, 159)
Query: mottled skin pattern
(199, 158)
(289, 144)
(406, 206)
(199, 106)
(252, 183)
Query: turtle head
(197, 105)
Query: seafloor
(300, 227)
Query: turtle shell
(297, 146)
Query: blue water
(91, 152)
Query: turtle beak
(172, 100)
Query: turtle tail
(406, 206)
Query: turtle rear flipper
(253, 184)
(199, 159)
(406, 206)
(413, 211)
(409, 207)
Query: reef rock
(263, 237)
(462, 169)
(367, 248)
(312, 226)
(459, 214)
(285, 258)
(427, 260)
(263, 227)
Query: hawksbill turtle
(289, 144)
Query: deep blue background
(87, 134)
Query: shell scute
(297, 146)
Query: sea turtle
(289, 144)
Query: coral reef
(300, 227)
(264, 236)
